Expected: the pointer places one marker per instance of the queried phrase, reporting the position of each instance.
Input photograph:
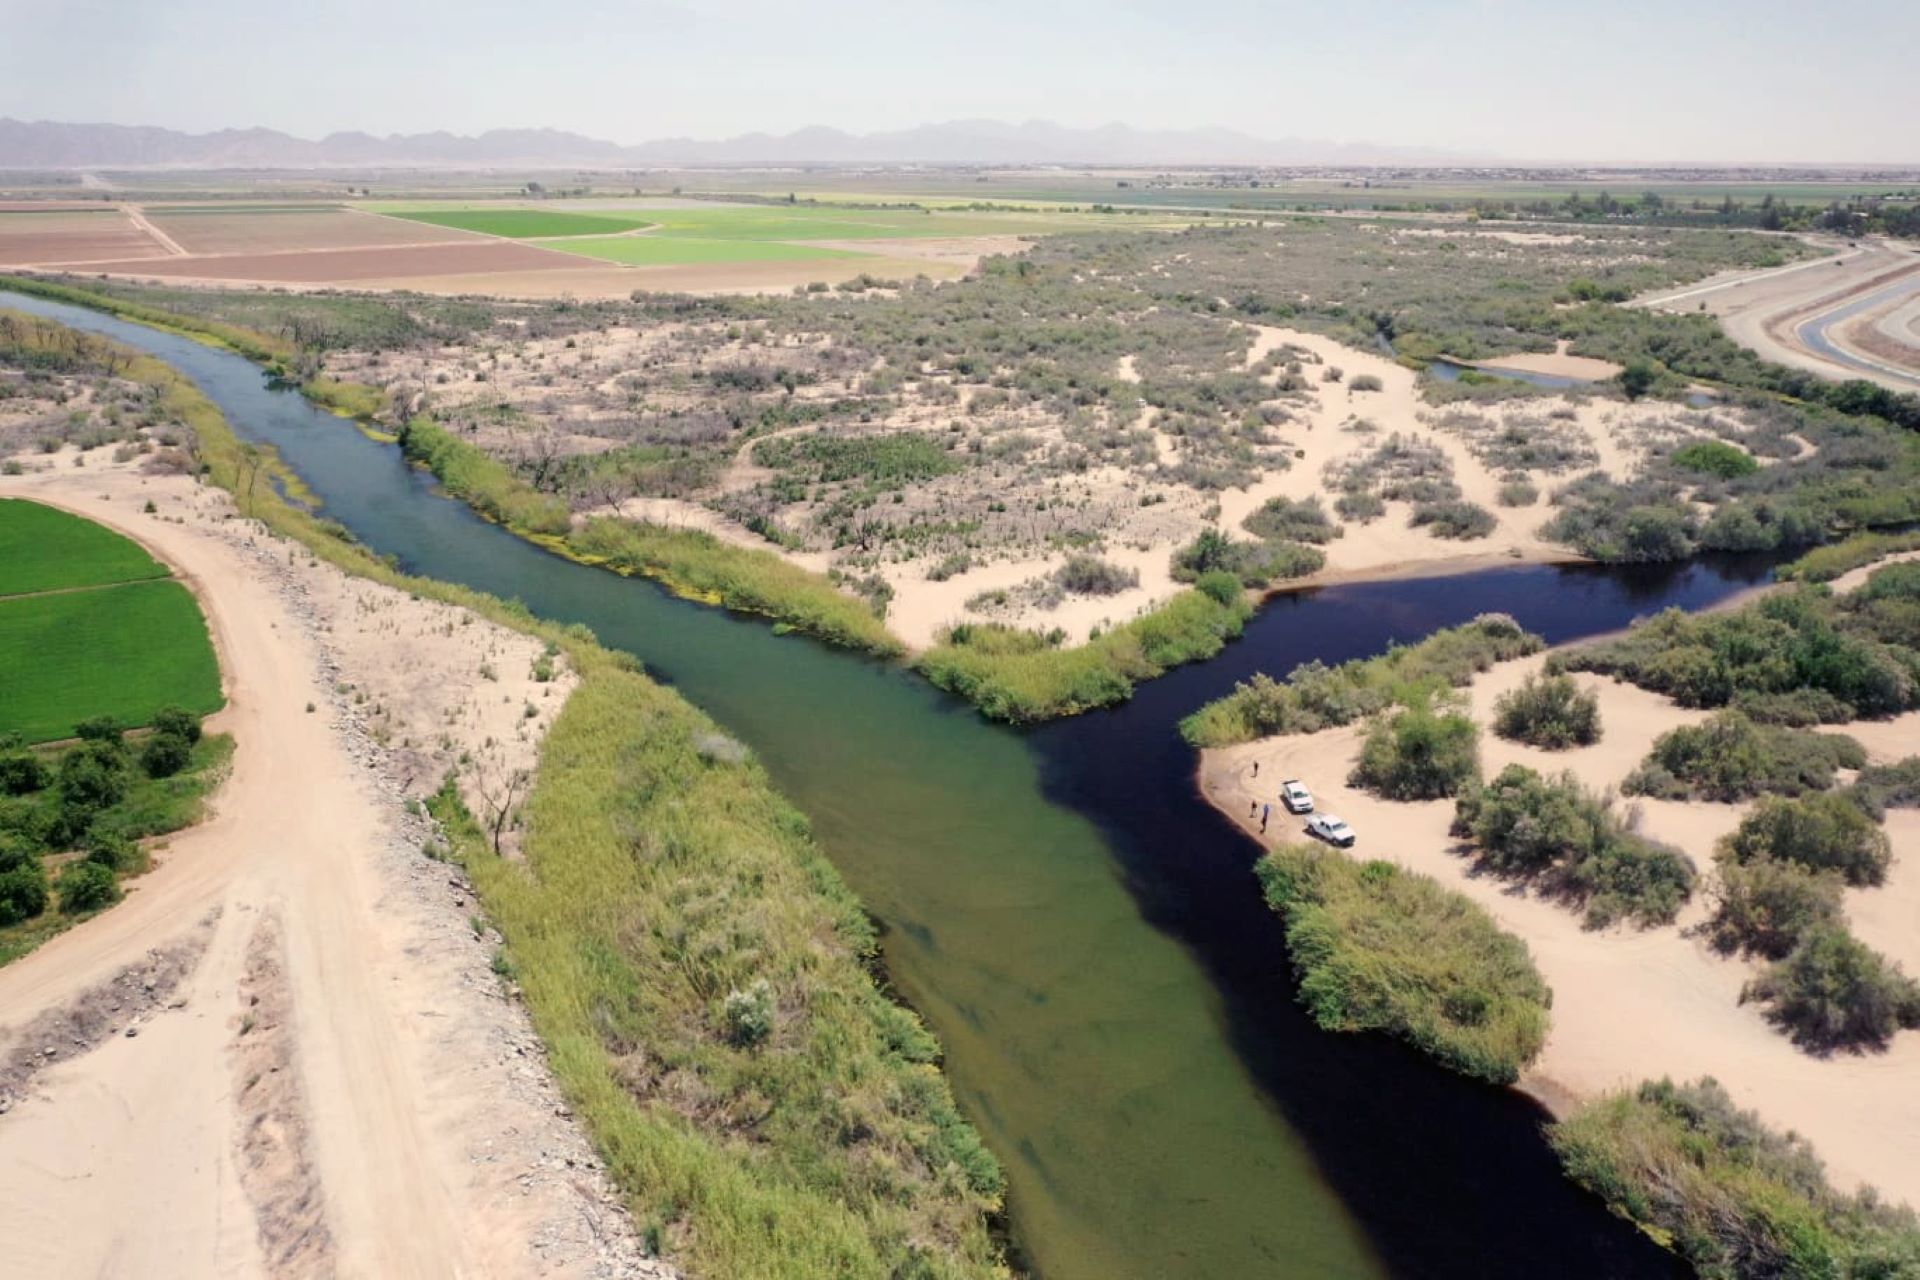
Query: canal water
(1082, 931)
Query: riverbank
(1680, 997)
(798, 1198)
(408, 1144)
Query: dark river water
(1082, 931)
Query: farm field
(72, 235)
(524, 224)
(664, 250)
(212, 229)
(106, 635)
(44, 549)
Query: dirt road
(370, 1129)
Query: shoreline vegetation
(865, 1165)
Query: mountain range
(44, 144)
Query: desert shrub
(1548, 711)
(1834, 991)
(1766, 907)
(1824, 564)
(1628, 877)
(1365, 382)
(1305, 520)
(748, 1015)
(1519, 493)
(93, 775)
(88, 886)
(1826, 831)
(22, 771)
(1714, 458)
(1315, 696)
(1730, 757)
(1795, 708)
(952, 566)
(1880, 787)
(1786, 643)
(1378, 948)
(1732, 1197)
(1556, 831)
(164, 754)
(1255, 563)
(1359, 507)
(1453, 518)
(101, 729)
(1085, 575)
(1621, 524)
(1419, 753)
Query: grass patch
(1315, 696)
(1824, 564)
(1732, 1197)
(1025, 676)
(123, 651)
(1379, 948)
(526, 224)
(45, 549)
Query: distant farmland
(90, 627)
(525, 224)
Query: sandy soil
(27, 239)
(609, 281)
(346, 266)
(419, 1114)
(1633, 1004)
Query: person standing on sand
(1253, 807)
(1256, 768)
(1265, 809)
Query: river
(1079, 927)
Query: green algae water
(1082, 932)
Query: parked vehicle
(1294, 795)
(1331, 829)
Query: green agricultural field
(526, 224)
(124, 651)
(43, 549)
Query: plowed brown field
(29, 238)
(324, 266)
(257, 232)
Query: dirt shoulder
(431, 1140)
(1632, 1004)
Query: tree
(1637, 378)
(165, 754)
(88, 886)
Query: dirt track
(426, 1146)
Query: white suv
(1295, 796)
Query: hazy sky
(1525, 79)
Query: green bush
(1453, 518)
(1085, 575)
(1419, 753)
(1555, 831)
(1767, 907)
(1023, 676)
(1732, 1197)
(93, 775)
(1827, 831)
(164, 754)
(1255, 564)
(1316, 696)
(87, 886)
(23, 882)
(21, 772)
(1880, 787)
(1287, 519)
(1714, 458)
(1824, 564)
(1377, 948)
(179, 722)
(1548, 711)
(1833, 991)
(1729, 757)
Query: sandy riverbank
(1632, 1004)
(338, 1084)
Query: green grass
(123, 651)
(44, 549)
(1023, 677)
(1380, 948)
(1824, 564)
(526, 224)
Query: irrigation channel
(1079, 927)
